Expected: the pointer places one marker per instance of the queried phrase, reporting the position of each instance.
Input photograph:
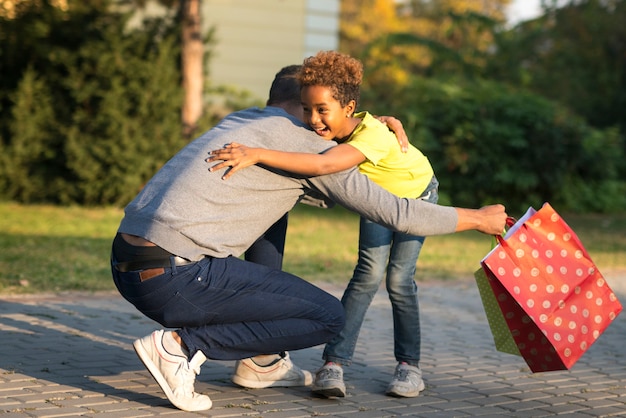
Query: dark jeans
(233, 309)
(270, 247)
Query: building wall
(255, 38)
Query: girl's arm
(237, 156)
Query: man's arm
(488, 219)
(356, 192)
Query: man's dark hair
(285, 87)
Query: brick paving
(71, 355)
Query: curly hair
(339, 72)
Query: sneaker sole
(332, 392)
(408, 394)
(256, 384)
(143, 355)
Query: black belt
(126, 266)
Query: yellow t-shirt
(405, 174)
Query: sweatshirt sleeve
(356, 192)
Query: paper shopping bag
(502, 337)
(544, 270)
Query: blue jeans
(381, 251)
(232, 309)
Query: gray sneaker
(175, 374)
(329, 381)
(407, 381)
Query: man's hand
(488, 219)
(235, 156)
(396, 126)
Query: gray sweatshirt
(193, 213)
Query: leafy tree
(575, 54)
(426, 63)
(189, 17)
(397, 39)
(32, 156)
(93, 107)
(126, 123)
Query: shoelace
(402, 375)
(330, 373)
(185, 371)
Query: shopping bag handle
(510, 221)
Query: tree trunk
(192, 56)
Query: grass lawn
(49, 249)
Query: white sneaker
(329, 381)
(407, 381)
(280, 373)
(175, 374)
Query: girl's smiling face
(325, 114)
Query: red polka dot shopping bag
(555, 301)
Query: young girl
(330, 84)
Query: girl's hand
(235, 156)
(396, 126)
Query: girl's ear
(350, 108)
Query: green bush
(489, 143)
(27, 161)
(94, 111)
(128, 122)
